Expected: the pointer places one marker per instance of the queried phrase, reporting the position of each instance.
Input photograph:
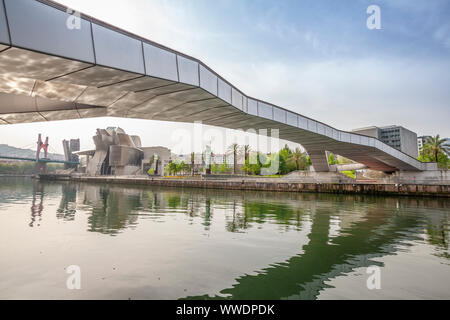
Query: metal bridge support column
(41, 167)
(319, 160)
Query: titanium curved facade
(52, 70)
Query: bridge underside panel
(135, 78)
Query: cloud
(442, 35)
(316, 60)
(350, 93)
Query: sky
(315, 57)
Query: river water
(131, 242)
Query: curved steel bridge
(56, 66)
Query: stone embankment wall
(372, 189)
(435, 177)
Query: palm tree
(192, 162)
(298, 158)
(247, 151)
(435, 146)
(235, 149)
(172, 168)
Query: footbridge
(56, 65)
(43, 160)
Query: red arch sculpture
(41, 146)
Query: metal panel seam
(7, 23)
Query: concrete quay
(268, 184)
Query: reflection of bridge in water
(379, 231)
(304, 276)
(376, 227)
(37, 205)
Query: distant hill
(9, 151)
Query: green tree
(298, 159)
(283, 157)
(192, 162)
(235, 150)
(224, 168)
(247, 151)
(254, 169)
(434, 147)
(287, 150)
(171, 168)
(287, 160)
(308, 161)
(182, 167)
(253, 164)
(332, 159)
